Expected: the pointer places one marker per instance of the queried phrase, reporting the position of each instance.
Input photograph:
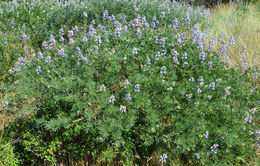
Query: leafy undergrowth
(120, 83)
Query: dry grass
(243, 23)
(4, 119)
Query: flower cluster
(5, 105)
(102, 88)
(249, 115)
(122, 108)
(214, 148)
(112, 99)
(163, 158)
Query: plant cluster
(120, 87)
(7, 155)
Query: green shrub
(18, 18)
(133, 90)
(71, 15)
(7, 156)
(38, 19)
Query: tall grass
(243, 23)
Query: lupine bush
(117, 90)
(18, 20)
(34, 21)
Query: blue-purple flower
(85, 15)
(105, 15)
(38, 70)
(232, 41)
(135, 8)
(70, 34)
(61, 33)
(254, 75)
(118, 31)
(48, 59)
(154, 18)
(163, 158)
(126, 83)
(210, 66)
(206, 135)
(84, 59)
(214, 148)
(163, 70)
(45, 45)
(75, 30)
(185, 64)
(201, 80)
(112, 99)
(189, 95)
(134, 51)
(139, 33)
(191, 79)
(197, 156)
(122, 108)
(202, 56)
(102, 88)
(175, 24)
(162, 14)
(5, 105)
(85, 40)
(21, 61)
(249, 118)
(153, 25)
(156, 39)
(184, 56)
(52, 39)
(162, 42)
(175, 56)
(128, 96)
(227, 92)
(244, 63)
(199, 90)
(252, 111)
(92, 31)
(62, 53)
(212, 85)
(243, 51)
(137, 88)
(169, 89)
(218, 80)
(25, 37)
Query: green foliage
(7, 156)
(17, 19)
(38, 19)
(116, 93)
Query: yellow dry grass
(243, 23)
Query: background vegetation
(243, 23)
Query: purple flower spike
(122, 108)
(163, 158)
(112, 99)
(128, 97)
